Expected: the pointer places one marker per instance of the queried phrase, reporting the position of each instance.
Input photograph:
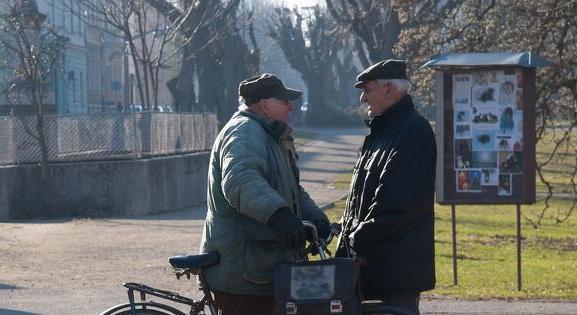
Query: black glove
(289, 228)
(323, 230)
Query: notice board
(486, 135)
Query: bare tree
(547, 28)
(34, 51)
(217, 54)
(152, 38)
(375, 24)
(240, 58)
(311, 46)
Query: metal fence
(105, 136)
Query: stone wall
(104, 188)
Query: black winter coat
(389, 213)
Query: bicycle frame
(183, 268)
(196, 307)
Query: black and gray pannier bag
(317, 287)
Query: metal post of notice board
(518, 247)
(454, 236)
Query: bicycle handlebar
(321, 244)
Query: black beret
(386, 69)
(265, 86)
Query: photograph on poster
(510, 162)
(485, 95)
(462, 116)
(496, 76)
(462, 131)
(488, 116)
(484, 159)
(469, 181)
(462, 90)
(481, 78)
(462, 180)
(483, 139)
(505, 185)
(460, 102)
(507, 121)
(463, 153)
(490, 177)
(504, 142)
(475, 180)
(507, 93)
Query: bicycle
(193, 265)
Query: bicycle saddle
(199, 261)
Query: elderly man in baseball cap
(388, 221)
(255, 203)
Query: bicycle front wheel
(143, 308)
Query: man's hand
(323, 230)
(289, 228)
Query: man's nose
(290, 106)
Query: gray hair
(242, 104)
(401, 84)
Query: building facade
(95, 73)
(71, 85)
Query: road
(76, 266)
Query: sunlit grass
(486, 238)
(561, 168)
(486, 253)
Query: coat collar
(402, 105)
(274, 128)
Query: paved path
(330, 153)
(76, 266)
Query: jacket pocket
(261, 257)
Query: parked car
(164, 109)
(133, 108)
(139, 108)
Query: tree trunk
(211, 84)
(318, 113)
(183, 91)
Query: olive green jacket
(251, 175)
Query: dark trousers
(235, 304)
(405, 301)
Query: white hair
(242, 104)
(400, 84)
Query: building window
(72, 81)
(81, 89)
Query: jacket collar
(274, 128)
(402, 105)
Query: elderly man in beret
(388, 221)
(255, 203)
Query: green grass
(560, 170)
(341, 182)
(486, 238)
(486, 253)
